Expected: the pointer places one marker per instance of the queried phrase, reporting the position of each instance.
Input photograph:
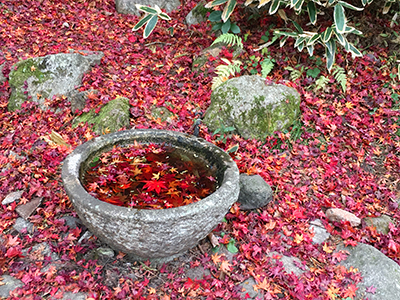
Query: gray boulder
(254, 192)
(378, 271)
(38, 78)
(113, 116)
(254, 108)
(128, 6)
(78, 99)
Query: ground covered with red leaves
(343, 153)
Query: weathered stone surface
(12, 197)
(22, 226)
(105, 252)
(377, 270)
(112, 116)
(2, 77)
(197, 273)
(74, 296)
(198, 14)
(40, 251)
(152, 234)
(290, 264)
(320, 233)
(255, 109)
(128, 6)
(8, 284)
(38, 78)
(380, 223)
(25, 210)
(71, 222)
(337, 215)
(254, 192)
(248, 289)
(78, 99)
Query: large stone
(38, 78)
(112, 116)
(379, 272)
(254, 192)
(254, 108)
(128, 6)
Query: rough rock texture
(25, 210)
(248, 291)
(290, 264)
(78, 99)
(380, 223)
(22, 225)
(11, 197)
(158, 235)
(112, 116)
(320, 233)
(75, 296)
(7, 285)
(41, 251)
(128, 6)
(254, 192)
(337, 215)
(38, 78)
(255, 109)
(2, 77)
(378, 271)
(197, 14)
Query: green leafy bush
(329, 37)
(149, 19)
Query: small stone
(197, 273)
(71, 222)
(254, 192)
(87, 235)
(248, 288)
(290, 264)
(65, 24)
(105, 252)
(75, 296)
(320, 233)
(27, 209)
(12, 197)
(40, 252)
(380, 223)
(337, 215)
(8, 284)
(22, 226)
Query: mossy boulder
(255, 109)
(38, 78)
(112, 116)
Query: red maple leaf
(155, 185)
